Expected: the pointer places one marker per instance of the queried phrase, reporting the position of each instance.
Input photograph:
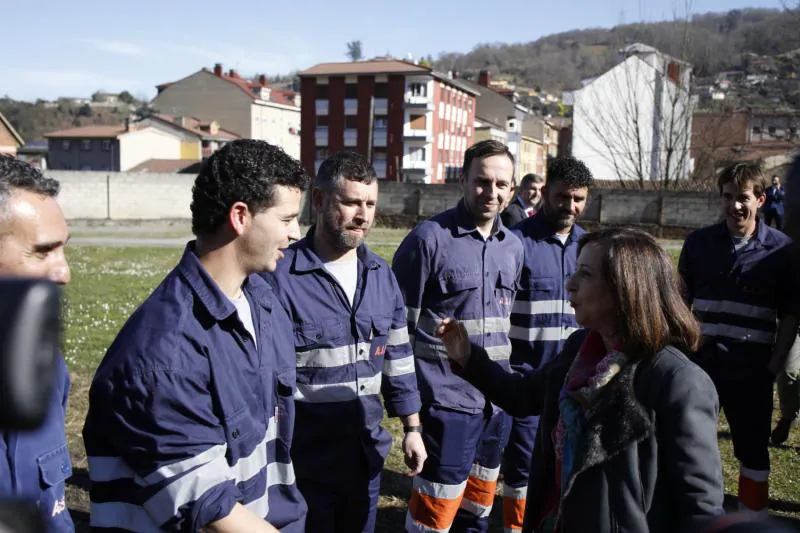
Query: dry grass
(109, 283)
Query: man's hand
(455, 339)
(414, 453)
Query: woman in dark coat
(627, 437)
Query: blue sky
(73, 48)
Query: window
(381, 122)
(106, 146)
(322, 91)
(417, 154)
(350, 122)
(382, 90)
(379, 155)
(322, 153)
(772, 130)
(756, 130)
(418, 89)
(86, 145)
(350, 90)
(66, 146)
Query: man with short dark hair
(742, 287)
(526, 202)
(352, 348)
(191, 410)
(463, 263)
(542, 317)
(33, 233)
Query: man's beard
(341, 238)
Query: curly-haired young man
(542, 317)
(191, 411)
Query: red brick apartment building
(413, 123)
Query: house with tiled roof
(110, 148)
(199, 138)
(10, 140)
(247, 108)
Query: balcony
(379, 138)
(350, 137)
(415, 165)
(321, 136)
(322, 107)
(350, 106)
(380, 106)
(415, 100)
(416, 135)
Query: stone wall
(144, 196)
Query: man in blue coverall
(191, 410)
(352, 347)
(35, 464)
(462, 263)
(742, 286)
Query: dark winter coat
(649, 461)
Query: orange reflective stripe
(435, 513)
(480, 491)
(513, 513)
(753, 494)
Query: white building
(634, 122)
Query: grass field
(110, 282)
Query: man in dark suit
(527, 201)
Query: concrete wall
(130, 196)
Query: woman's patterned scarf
(591, 370)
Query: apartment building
(413, 123)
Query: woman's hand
(455, 339)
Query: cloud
(117, 47)
(242, 59)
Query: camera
(29, 335)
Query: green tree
(126, 97)
(354, 51)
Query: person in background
(34, 465)
(463, 262)
(542, 318)
(526, 202)
(773, 205)
(741, 286)
(352, 348)
(191, 411)
(627, 436)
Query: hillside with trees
(712, 42)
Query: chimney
(232, 73)
(262, 80)
(483, 78)
(218, 69)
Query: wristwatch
(412, 429)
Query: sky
(76, 47)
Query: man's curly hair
(244, 170)
(570, 171)
(19, 175)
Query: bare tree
(635, 120)
(719, 135)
